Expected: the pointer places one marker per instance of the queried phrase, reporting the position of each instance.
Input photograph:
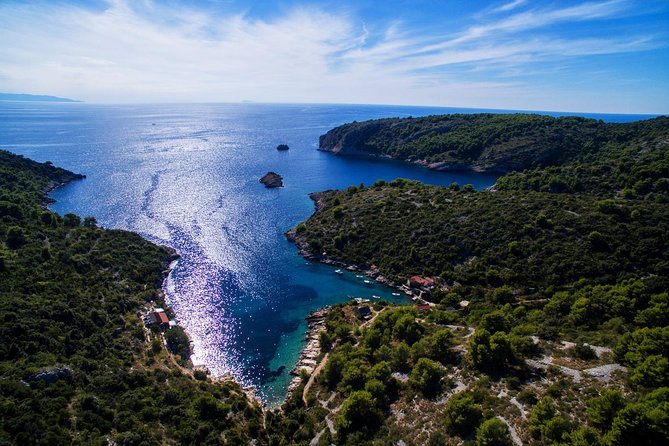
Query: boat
(367, 281)
(358, 300)
(376, 296)
(338, 271)
(396, 294)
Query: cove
(187, 176)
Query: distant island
(21, 97)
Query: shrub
(426, 376)
(463, 414)
(359, 413)
(493, 432)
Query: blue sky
(567, 55)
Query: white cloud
(510, 6)
(156, 53)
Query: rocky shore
(65, 178)
(302, 244)
(371, 271)
(169, 262)
(309, 356)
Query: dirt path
(514, 434)
(313, 376)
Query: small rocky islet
(272, 180)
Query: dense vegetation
(526, 240)
(77, 366)
(578, 252)
(633, 164)
(489, 142)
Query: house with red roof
(421, 282)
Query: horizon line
(495, 110)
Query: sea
(186, 176)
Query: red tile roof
(161, 318)
(421, 281)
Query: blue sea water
(187, 176)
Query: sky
(557, 55)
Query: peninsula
(481, 142)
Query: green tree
(436, 346)
(178, 342)
(359, 413)
(353, 376)
(90, 222)
(494, 321)
(379, 392)
(426, 376)
(325, 341)
(16, 237)
(644, 423)
(493, 432)
(463, 414)
(380, 371)
(400, 357)
(542, 413)
(491, 352)
(71, 220)
(333, 370)
(406, 329)
(603, 409)
(547, 424)
(585, 436)
(652, 372)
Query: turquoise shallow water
(187, 176)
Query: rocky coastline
(312, 350)
(64, 179)
(168, 263)
(447, 136)
(370, 271)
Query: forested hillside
(549, 314)
(77, 365)
(485, 142)
(632, 164)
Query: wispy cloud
(150, 52)
(509, 6)
(539, 18)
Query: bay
(186, 175)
